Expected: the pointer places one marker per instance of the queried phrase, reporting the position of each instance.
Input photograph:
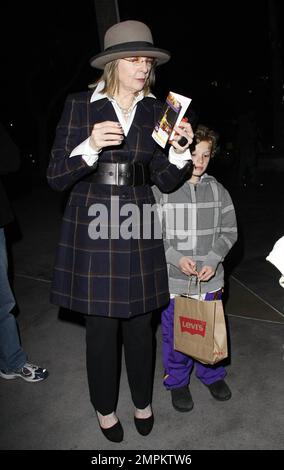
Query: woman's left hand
(184, 129)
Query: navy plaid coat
(113, 277)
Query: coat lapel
(102, 110)
(141, 122)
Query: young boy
(200, 229)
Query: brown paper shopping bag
(200, 329)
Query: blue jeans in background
(12, 355)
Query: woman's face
(133, 73)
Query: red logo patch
(194, 327)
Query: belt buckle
(116, 173)
(112, 173)
(108, 173)
(125, 176)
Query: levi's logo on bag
(192, 326)
(200, 328)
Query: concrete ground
(57, 414)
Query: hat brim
(100, 60)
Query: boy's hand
(206, 273)
(188, 266)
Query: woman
(104, 150)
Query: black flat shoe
(144, 426)
(115, 433)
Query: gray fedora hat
(128, 39)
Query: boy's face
(201, 157)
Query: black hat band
(125, 46)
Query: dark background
(221, 57)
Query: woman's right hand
(188, 266)
(106, 134)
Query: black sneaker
(182, 399)
(220, 390)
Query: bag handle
(198, 286)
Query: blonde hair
(111, 83)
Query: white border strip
(33, 278)
(245, 317)
(256, 295)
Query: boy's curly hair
(204, 133)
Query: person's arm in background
(9, 163)
(9, 153)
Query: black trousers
(103, 355)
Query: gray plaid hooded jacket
(198, 221)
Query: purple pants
(178, 366)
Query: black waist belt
(121, 174)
